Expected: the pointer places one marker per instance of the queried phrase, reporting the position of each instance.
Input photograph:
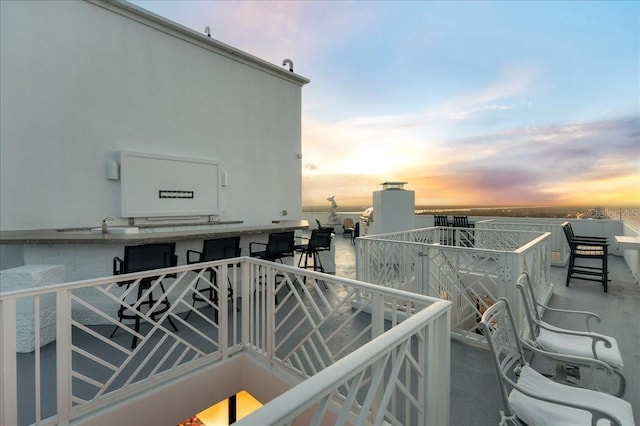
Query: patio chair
(446, 236)
(279, 246)
(465, 237)
(145, 257)
(569, 229)
(461, 221)
(319, 241)
(440, 220)
(213, 249)
(533, 399)
(347, 227)
(570, 342)
(587, 248)
(320, 226)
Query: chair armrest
(117, 266)
(189, 253)
(591, 240)
(592, 363)
(595, 338)
(251, 244)
(589, 315)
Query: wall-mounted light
(113, 170)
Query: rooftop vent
(393, 185)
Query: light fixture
(113, 170)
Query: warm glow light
(218, 414)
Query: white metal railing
(302, 335)
(395, 379)
(558, 242)
(470, 267)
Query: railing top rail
(305, 394)
(533, 242)
(113, 279)
(432, 228)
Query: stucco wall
(80, 83)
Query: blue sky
(471, 102)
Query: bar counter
(146, 235)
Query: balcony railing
(559, 246)
(321, 331)
(470, 267)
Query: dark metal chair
(214, 249)
(319, 241)
(320, 226)
(440, 220)
(589, 248)
(445, 235)
(461, 221)
(465, 238)
(279, 246)
(145, 257)
(531, 398)
(569, 231)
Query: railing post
(436, 351)
(246, 289)
(223, 310)
(377, 315)
(8, 378)
(269, 313)
(63, 355)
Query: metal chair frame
(144, 258)
(213, 249)
(527, 395)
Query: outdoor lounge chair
(555, 339)
(533, 399)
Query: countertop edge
(52, 236)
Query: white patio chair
(533, 399)
(585, 344)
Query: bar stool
(214, 249)
(279, 246)
(145, 257)
(319, 241)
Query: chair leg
(168, 305)
(136, 327)
(605, 274)
(572, 260)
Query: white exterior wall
(81, 81)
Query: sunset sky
(471, 102)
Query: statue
(333, 217)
